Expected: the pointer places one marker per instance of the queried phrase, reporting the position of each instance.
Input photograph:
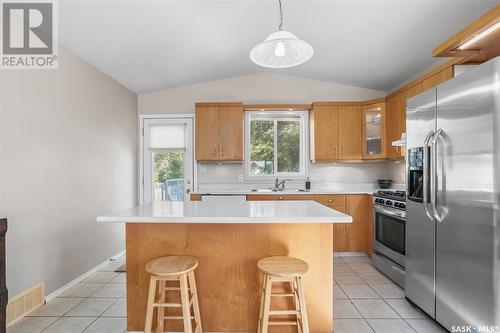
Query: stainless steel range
(389, 216)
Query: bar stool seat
(171, 265)
(282, 266)
(288, 270)
(168, 269)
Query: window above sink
(275, 144)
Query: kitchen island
(228, 237)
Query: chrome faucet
(280, 185)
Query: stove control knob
(388, 203)
(397, 205)
(403, 206)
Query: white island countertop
(226, 210)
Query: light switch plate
(240, 178)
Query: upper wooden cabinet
(438, 78)
(394, 124)
(335, 132)
(324, 133)
(374, 135)
(350, 138)
(219, 132)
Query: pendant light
(281, 49)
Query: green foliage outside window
(167, 166)
(262, 146)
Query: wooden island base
(228, 281)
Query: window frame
(304, 144)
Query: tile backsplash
(232, 175)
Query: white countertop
(229, 210)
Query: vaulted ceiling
(150, 45)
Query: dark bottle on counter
(308, 185)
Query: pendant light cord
(281, 17)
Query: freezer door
(465, 259)
(420, 229)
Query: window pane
(288, 146)
(168, 176)
(261, 147)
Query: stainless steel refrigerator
(453, 223)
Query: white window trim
(304, 145)
(140, 169)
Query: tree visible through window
(275, 145)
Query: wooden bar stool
(173, 268)
(283, 269)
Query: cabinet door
(361, 228)
(407, 94)
(207, 133)
(393, 125)
(231, 133)
(374, 145)
(334, 201)
(350, 133)
(324, 133)
(438, 78)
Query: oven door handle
(394, 213)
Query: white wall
(250, 89)
(267, 88)
(69, 152)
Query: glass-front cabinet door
(374, 131)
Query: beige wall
(68, 141)
(250, 89)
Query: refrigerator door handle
(425, 194)
(434, 158)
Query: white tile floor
(364, 301)
(96, 305)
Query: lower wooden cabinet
(358, 235)
(334, 201)
(347, 237)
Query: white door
(167, 159)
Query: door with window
(167, 159)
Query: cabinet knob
(281, 198)
(330, 200)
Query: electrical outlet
(240, 178)
(203, 168)
(315, 178)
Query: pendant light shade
(281, 49)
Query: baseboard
(82, 277)
(350, 254)
(24, 303)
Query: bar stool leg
(297, 305)
(149, 310)
(196, 305)
(267, 304)
(186, 308)
(160, 320)
(259, 324)
(302, 304)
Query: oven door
(389, 233)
